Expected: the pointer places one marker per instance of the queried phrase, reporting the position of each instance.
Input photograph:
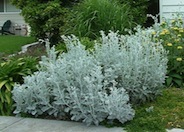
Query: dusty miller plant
(134, 62)
(72, 83)
(97, 85)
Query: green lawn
(166, 112)
(10, 44)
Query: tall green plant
(11, 72)
(139, 8)
(91, 16)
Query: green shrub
(13, 71)
(44, 17)
(171, 33)
(91, 16)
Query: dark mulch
(37, 50)
(37, 47)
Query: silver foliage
(72, 83)
(134, 62)
(95, 86)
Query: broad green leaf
(3, 83)
(1, 105)
(178, 82)
(8, 98)
(22, 74)
(2, 64)
(8, 86)
(2, 97)
(168, 81)
(176, 76)
(21, 63)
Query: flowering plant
(171, 34)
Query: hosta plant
(96, 85)
(13, 71)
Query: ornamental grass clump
(96, 85)
(91, 16)
(171, 33)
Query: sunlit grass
(10, 44)
(166, 112)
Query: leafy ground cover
(164, 112)
(10, 44)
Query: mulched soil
(37, 50)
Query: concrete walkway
(14, 124)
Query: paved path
(14, 124)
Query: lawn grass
(10, 44)
(167, 111)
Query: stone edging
(25, 47)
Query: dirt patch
(37, 50)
